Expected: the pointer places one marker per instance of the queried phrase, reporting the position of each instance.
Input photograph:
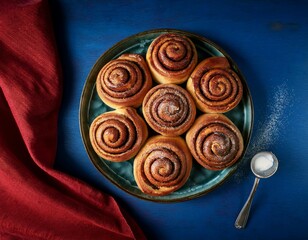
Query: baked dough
(123, 82)
(118, 135)
(215, 87)
(171, 58)
(163, 165)
(169, 109)
(214, 141)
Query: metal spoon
(263, 165)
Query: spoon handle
(242, 218)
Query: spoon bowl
(264, 164)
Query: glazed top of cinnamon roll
(215, 87)
(123, 82)
(118, 135)
(169, 109)
(215, 141)
(171, 58)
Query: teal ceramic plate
(201, 181)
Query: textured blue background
(269, 42)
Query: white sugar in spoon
(263, 165)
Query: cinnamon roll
(163, 165)
(169, 109)
(123, 82)
(118, 135)
(214, 141)
(171, 58)
(215, 87)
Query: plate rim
(82, 119)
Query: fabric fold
(37, 201)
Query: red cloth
(36, 201)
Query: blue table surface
(269, 42)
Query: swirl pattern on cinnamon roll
(171, 58)
(214, 141)
(169, 109)
(163, 165)
(123, 82)
(118, 135)
(215, 87)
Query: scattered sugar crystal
(267, 132)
